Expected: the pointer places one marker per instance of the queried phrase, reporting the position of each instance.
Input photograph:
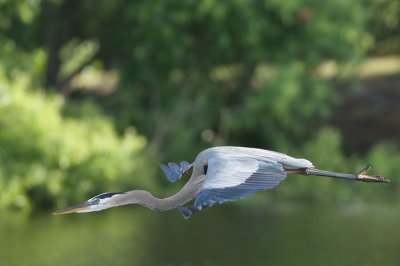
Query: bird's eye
(97, 200)
(205, 168)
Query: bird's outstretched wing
(174, 172)
(232, 178)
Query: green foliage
(285, 111)
(47, 160)
(385, 26)
(385, 158)
(186, 61)
(325, 151)
(210, 52)
(186, 75)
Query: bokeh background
(94, 93)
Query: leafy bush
(47, 159)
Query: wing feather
(233, 178)
(174, 172)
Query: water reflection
(223, 235)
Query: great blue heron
(219, 174)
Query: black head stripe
(106, 195)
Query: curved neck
(146, 199)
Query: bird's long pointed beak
(74, 209)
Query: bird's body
(237, 172)
(219, 174)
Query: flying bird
(219, 174)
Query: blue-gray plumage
(219, 174)
(174, 172)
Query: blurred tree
(384, 24)
(190, 66)
(185, 74)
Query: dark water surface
(284, 234)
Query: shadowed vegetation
(94, 93)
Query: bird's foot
(186, 211)
(361, 176)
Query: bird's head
(97, 203)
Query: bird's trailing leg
(174, 172)
(359, 176)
